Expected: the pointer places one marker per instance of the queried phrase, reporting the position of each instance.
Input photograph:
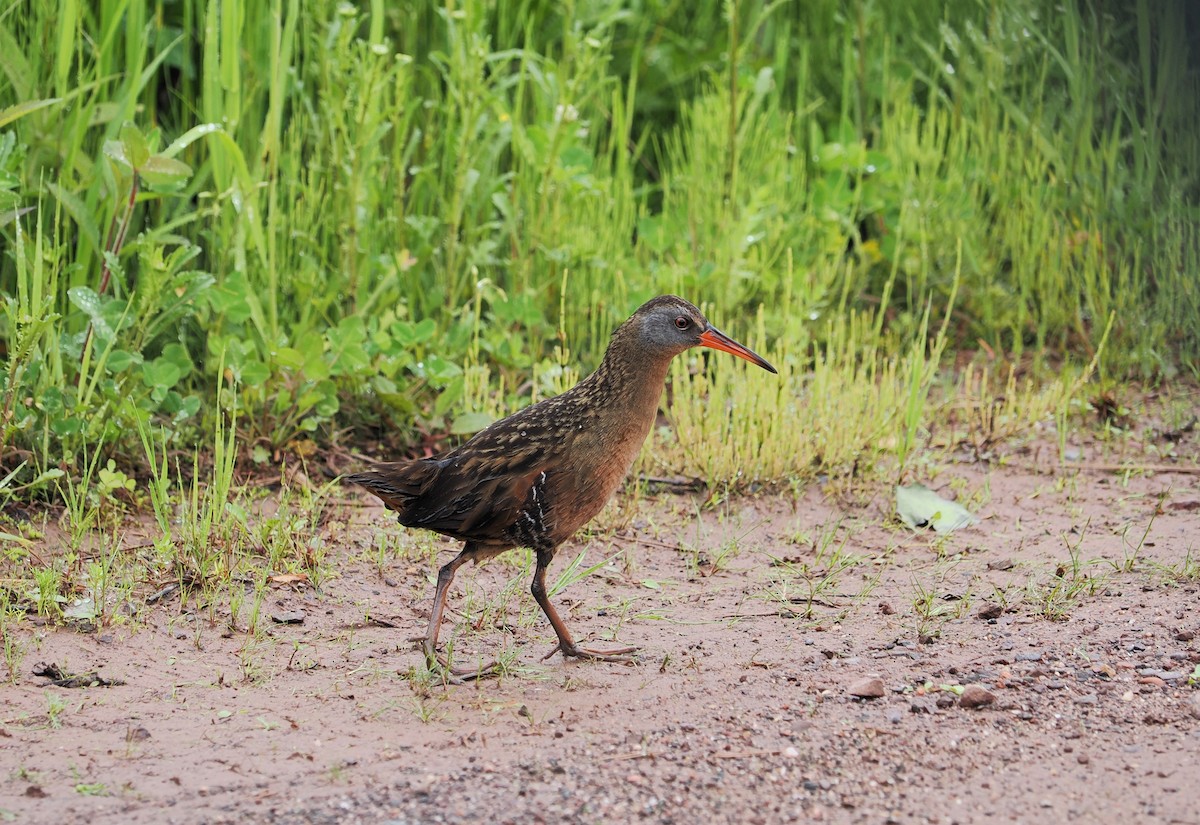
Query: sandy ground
(1072, 627)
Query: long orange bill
(714, 338)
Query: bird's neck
(627, 378)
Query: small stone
(989, 610)
(1031, 656)
(1151, 680)
(791, 752)
(1056, 684)
(944, 700)
(1194, 705)
(1185, 635)
(1083, 759)
(288, 617)
(922, 704)
(894, 715)
(976, 696)
(1087, 699)
(868, 688)
(886, 608)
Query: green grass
(236, 234)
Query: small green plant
(14, 649)
(1131, 552)
(1059, 595)
(55, 705)
(931, 611)
(91, 789)
(48, 594)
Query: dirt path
(757, 624)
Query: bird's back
(531, 479)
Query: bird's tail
(397, 484)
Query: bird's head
(667, 325)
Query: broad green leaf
(164, 172)
(161, 372)
(918, 506)
(408, 334)
(114, 150)
(177, 354)
(289, 358)
(120, 360)
(470, 423)
(254, 372)
(87, 300)
(136, 149)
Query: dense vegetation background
(260, 227)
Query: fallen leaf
(289, 578)
(918, 506)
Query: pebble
(894, 715)
(868, 688)
(288, 617)
(1087, 699)
(1185, 635)
(990, 611)
(922, 704)
(1032, 656)
(1194, 705)
(976, 696)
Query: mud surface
(1068, 617)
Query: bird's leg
(429, 645)
(565, 643)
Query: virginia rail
(534, 478)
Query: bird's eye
(682, 323)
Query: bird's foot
(619, 655)
(440, 665)
(462, 675)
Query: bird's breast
(600, 461)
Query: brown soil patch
(757, 620)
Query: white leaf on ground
(918, 506)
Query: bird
(534, 478)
